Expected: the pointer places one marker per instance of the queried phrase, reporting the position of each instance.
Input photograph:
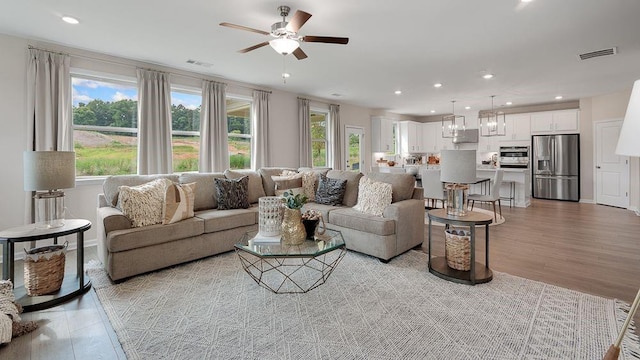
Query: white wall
(81, 201)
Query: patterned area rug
(367, 310)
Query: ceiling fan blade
(299, 54)
(298, 19)
(250, 48)
(326, 39)
(240, 27)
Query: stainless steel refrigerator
(556, 167)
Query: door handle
(598, 167)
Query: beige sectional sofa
(126, 251)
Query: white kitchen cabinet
(411, 137)
(382, 134)
(555, 122)
(432, 138)
(518, 128)
(489, 143)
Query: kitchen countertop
(513, 170)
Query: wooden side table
(72, 286)
(479, 273)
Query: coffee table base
(286, 275)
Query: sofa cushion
(255, 189)
(373, 196)
(205, 194)
(219, 220)
(287, 182)
(401, 184)
(321, 208)
(267, 182)
(178, 202)
(143, 204)
(111, 185)
(122, 240)
(330, 191)
(353, 181)
(232, 193)
(353, 219)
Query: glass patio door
(354, 145)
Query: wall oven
(514, 156)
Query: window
(239, 127)
(318, 138)
(185, 129)
(105, 126)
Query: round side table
(479, 273)
(72, 285)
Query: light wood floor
(589, 248)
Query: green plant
(294, 201)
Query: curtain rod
(135, 66)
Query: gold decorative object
(293, 232)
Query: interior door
(612, 171)
(354, 145)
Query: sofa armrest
(418, 193)
(108, 219)
(102, 201)
(409, 217)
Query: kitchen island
(522, 182)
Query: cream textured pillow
(178, 202)
(143, 204)
(310, 184)
(373, 196)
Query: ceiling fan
(285, 34)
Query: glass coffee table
(291, 268)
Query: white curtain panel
(214, 133)
(336, 136)
(154, 123)
(305, 132)
(260, 156)
(49, 101)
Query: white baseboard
(72, 246)
(635, 209)
(587, 201)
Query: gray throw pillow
(232, 193)
(330, 191)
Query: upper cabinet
(432, 140)
(382, 134)
(555, 122)
(518, 128)
(411, 137)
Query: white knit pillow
(373, 196)
(143, 204)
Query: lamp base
(457, 199)
(49, 209)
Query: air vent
(199, 63)
(598, 53)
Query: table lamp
(628, 145)
(457, 170)
(46, 172)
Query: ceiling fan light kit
(285, 33)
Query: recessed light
(437, 85)
(559, 97)
(467, 107)
(509, 103)
(433, 111)
(70, 20)
(487, 76)
(286, 75)
(397, 92)
(526, 0)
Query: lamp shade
(458, 166)
(49, 170)
(284, 46)
(628, 143)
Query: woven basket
(457, 247)
(44, 269)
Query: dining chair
(433, 187)
(493, 196)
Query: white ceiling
(408, 45)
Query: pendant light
(492, 123)
(453, 123)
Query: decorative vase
(293, 232)
(310, 227)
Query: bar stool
(512, 192)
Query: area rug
(211, 309)
(501, 220)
